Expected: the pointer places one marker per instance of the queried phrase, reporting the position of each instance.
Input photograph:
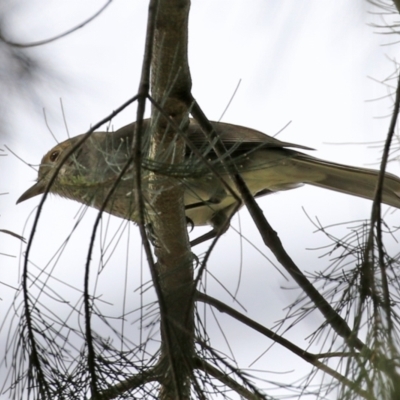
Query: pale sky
(307, 62)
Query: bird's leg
(220, 223)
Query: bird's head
(48, 167)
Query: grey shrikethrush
(265, 164)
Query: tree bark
(170, 84)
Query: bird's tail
(359, 182)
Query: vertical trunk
(170, 84)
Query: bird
(266, 164)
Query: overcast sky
(305, 62)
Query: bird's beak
(36, 189)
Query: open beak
(36, 189)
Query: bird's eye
(54, 155)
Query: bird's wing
(230, 135)
(240, 136)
